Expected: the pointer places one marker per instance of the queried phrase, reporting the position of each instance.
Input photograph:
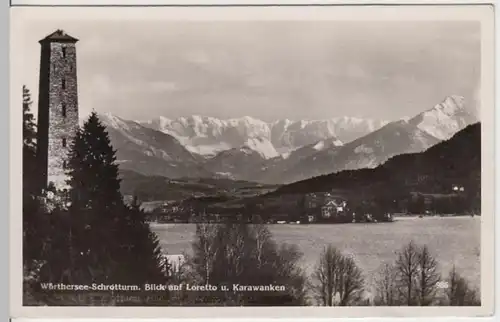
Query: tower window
(64, 52)
(64, 142)
(63, 83)
(64, 109)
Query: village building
(457, 188)
(325, 206)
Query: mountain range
(280, 152)
(208, 135)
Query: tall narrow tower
(57, 106)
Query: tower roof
(59, 36)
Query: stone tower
(57, 106)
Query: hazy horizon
(267, 70)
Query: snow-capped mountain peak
(324, 144)
(114, 121)
(446, 118)
(283, 122)
(209, 135)
(262, 146)
(203, 132)
(451, 105)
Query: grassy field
(453, 240)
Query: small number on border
(442, 284)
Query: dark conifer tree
(112, 243)
(29, 126)
(29, 146)
(92, 169)
(95, 204)
(145, 255)
(36, 224)
(31, 208)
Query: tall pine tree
(31, 208)
(36, 226)
(29, 127)
(111, 242)
(29, 146)
(145, 255)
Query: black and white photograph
(254, 162)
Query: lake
(452, 240)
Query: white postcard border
(481, 13)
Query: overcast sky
(268, 70)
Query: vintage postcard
(229, 161)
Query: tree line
(86, 234)
(228, 254)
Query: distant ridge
(454, 161)
(408, 135)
